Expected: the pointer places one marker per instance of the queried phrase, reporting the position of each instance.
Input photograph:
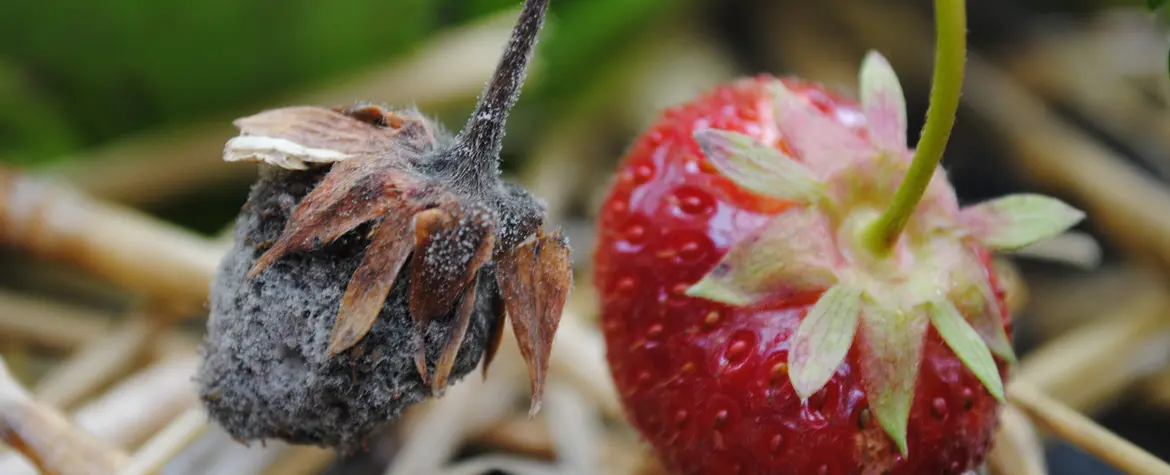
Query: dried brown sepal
(454, 340)
(342, 202)
(496, 334)
(451, 243)
(371, 282)
(535, 279)
(356, 190)
(352, 131)
(374, 115)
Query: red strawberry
(733, 235)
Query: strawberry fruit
(752, 327)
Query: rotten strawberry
(787, 288)
(374, 263)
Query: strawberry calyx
(838, 183)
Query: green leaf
(823, 339)
(141, 64)
(891, 353)
(792, 254)
(883, 101)
(1015, 221)
(589, 36)
(1154, 5)
(966, 344)
(758, 167)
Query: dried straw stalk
(1134, 207)
(48, 324)
(1115, 348)
(181, 431)
(47, 438)
(301, 460)
(123, 417)
(1111, 71)
(104, 359)
(126, 247)
(1063, 303)
(1083, 432)
(1017, 448)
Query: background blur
(132, 100)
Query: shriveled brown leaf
(450, 246)
(371, 282)
(368, 183)
(350, 195)
(496, 334)
(454, 340)
(317, 128)
(535, 279)
(451, 243)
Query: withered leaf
(535, 279)
(454, 340)
(371, 282)
(496, 334)
(451, 242)
(355, 191)
(351, 194)
(318, 128)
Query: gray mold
(264, 372)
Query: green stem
(950, 58)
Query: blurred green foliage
(75, 73)
(1157, 7)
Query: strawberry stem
(950, 58)
(476, 152)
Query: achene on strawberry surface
(750, 331)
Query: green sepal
(793, 253)
(891, 342)
(720, 288)
(823, 339)
(1016, 221)
(883, 102)
(759, 167)
(823, 143)
(973, 296)
(967, 345)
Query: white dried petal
(283, 153)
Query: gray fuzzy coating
(264, 372)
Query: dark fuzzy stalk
(474, 158)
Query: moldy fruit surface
(374, 263)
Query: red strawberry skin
(705, 383)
